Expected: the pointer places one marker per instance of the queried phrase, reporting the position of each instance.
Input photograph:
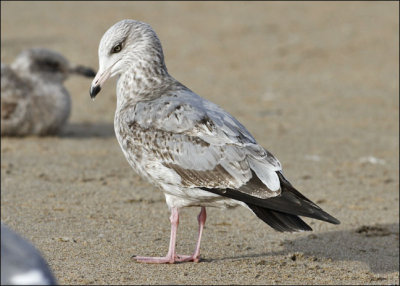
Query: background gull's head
(127, 44)
(48, 65)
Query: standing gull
(33, 98)
(193, 150)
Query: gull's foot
(146, 259)
(186, 258)
(167, 259)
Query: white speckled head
(125, 44)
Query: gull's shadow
(87, 130)
(377, 246)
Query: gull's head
(48, 65)
(125, 44)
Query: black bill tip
(94, 91)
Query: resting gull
(33, 98)
(193, 150)
(21, 262)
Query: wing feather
(202, 144)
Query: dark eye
(116, 49)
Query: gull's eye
(116, 49)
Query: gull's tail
(281, 212)
(280, 221)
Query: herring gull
(193, 150)
(21, 262)
(33, 98)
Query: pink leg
(170, 257)
(201, 218)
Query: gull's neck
(141, 81)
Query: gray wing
(203, 144)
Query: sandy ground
(315, 83)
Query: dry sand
(315, 83)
